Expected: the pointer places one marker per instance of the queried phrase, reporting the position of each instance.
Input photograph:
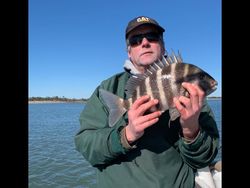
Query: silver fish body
(161, 81)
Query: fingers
(196, 95)
(140, 101)
(138, 120)
(150, 119)
(201, 93)
(142, 104)
(189, 106)
(137, 125)
(179, 104)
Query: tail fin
(114, 104)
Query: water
(216, 107)
(53, 160)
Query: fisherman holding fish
(149, 126)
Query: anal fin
(173, 113)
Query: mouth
(146, 53)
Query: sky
(73, 45)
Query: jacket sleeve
(96, 141)
(204, 149)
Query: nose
(145, 41)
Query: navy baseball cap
(142, 20)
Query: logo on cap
(143, 19)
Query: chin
(148, 60)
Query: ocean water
(53, 160)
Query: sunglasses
(137, 39)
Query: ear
(128, 51)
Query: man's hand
(138, 120)
(190, 109)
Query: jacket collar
(130, 68)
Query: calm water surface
(53, 160)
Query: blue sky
(75, 44)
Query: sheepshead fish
(162, 81)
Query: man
(141, 150)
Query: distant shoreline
(47, 101)
(213, 98)
(83, 102)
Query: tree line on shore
(56, 98)
(64, 99)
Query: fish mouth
(213, 88)
(214, 85)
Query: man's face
(145, 49)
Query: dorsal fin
(175, 58)
(136, 80)
(179, 58)
(164, 58)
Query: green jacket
(161, 157)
